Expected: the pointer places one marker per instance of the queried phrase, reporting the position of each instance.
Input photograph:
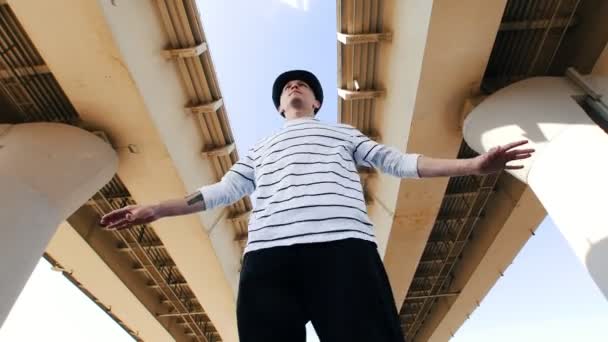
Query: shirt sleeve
(238, 182)
(369, 153)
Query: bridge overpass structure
(120, 104)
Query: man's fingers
(514, 154)
(521, 156)
(117, 223)
(521, 151)
(109, 218)
(121, 226)
(514, 167)
(514, 144)
(114, 215)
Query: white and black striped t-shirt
(304, 184)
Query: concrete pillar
(569, 171)
(47, 171)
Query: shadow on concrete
(597, 264)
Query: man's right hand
(129, 216)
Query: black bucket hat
(302, 75)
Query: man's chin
(296, 103)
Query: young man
(311, 254)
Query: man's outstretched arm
(405, 165)
(190, 204)
(141, 214)
(236, 183)
(492, 161)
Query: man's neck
(298, 114)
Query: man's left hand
(496, 159)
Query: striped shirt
(304, 183)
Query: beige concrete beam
(348, 39)
(24, 71)
(469, 104)
(349, 95)
(219, 152)
(186, 52)
(120, 83)
(398, 69)
(444, 78)
(210, 107)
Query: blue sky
(545, 295)
(51, 309)
(251, 42)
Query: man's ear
(316, 104)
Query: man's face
(298, 95)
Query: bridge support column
(569, 171)
(47, 171)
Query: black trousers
(340, 286)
